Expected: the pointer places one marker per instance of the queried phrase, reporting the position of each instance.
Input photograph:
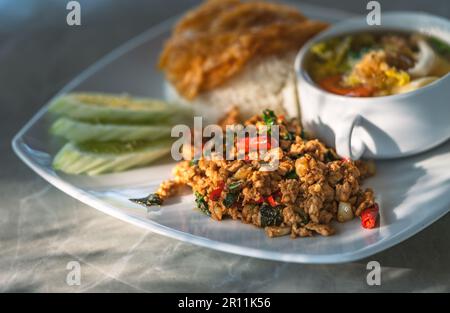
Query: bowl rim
(347, 26)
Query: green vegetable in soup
(330, 57)
(439, 46)
(374, 64)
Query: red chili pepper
(333, 85)
(272, 201)
(263, 142)
(254, 144)
(260, 200)
(369, 216)
(243, 143)
(215, 194)
(345, 159)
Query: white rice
(265, 83)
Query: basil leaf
(291, 175)
(229, 200)
(151, 200)
(201, 204)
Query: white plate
(412, 192)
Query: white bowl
(378, 127)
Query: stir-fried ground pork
(301, 197)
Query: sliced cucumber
(101, 107)
(79, 131)
(93, 158)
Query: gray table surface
(42, 229)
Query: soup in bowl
(378, 91)
(377, 63)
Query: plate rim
(149, 224)
(19, 148)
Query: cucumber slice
(100, 107)
(93, 158)
(79, 131)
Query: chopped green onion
(193, 162)
(235, 185)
